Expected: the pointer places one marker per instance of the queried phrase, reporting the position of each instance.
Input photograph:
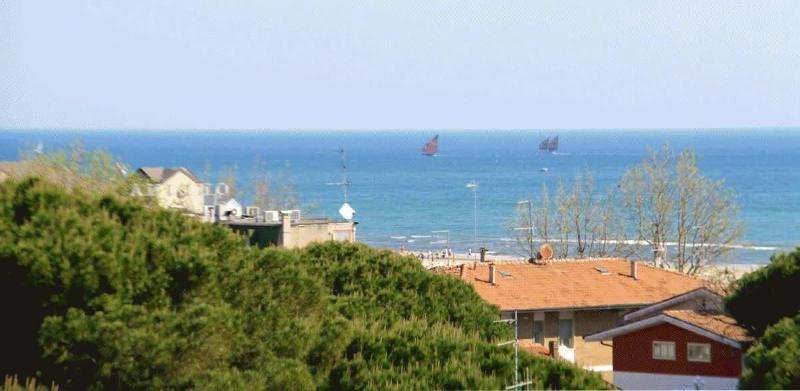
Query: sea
(403, 198)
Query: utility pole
(346, 210)
(529, 228)
(472, 185)
(515, 322)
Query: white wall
(181, 192)
(660, 381)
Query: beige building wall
(180, 192)
(295, 235)
(593, 355)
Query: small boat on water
(549, 145)
(544, 169)
(431, 148)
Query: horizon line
(186, 129)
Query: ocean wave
(667, 244)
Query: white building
(175, 188)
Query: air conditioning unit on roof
(294, 214)
(252, 211)
(272, 216)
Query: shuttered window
(565, 332)
(538, 331)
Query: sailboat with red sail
(549, 145)
(431, 148)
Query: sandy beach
(712, 272)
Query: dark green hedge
(767, 302)
(767, 295)
(773, 362)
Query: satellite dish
(546, 251)
(347, 211)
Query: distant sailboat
(431, 148)
(39, 149)
(549, 145)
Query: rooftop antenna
(346, 211)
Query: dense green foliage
(774, 361)
(765, 301)
(105, 292)
(78, 168)
(767, 295)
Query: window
(663, 350)
(565, 332)
(700, 352)
(538, 331)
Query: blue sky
(155, 64)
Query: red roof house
(560, 301)
(684, 342)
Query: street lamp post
(472, 185)
(529, 228)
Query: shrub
(767, 295)
(774, 361)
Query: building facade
(174, 188)
(684, 342)
(290, 230)
(562, 301)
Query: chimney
(491, 274)
(553, 349)
(634, 270)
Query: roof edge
(585, 308)
(659, 319)
(666, 303)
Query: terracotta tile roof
(570, 284)
(713, 322)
